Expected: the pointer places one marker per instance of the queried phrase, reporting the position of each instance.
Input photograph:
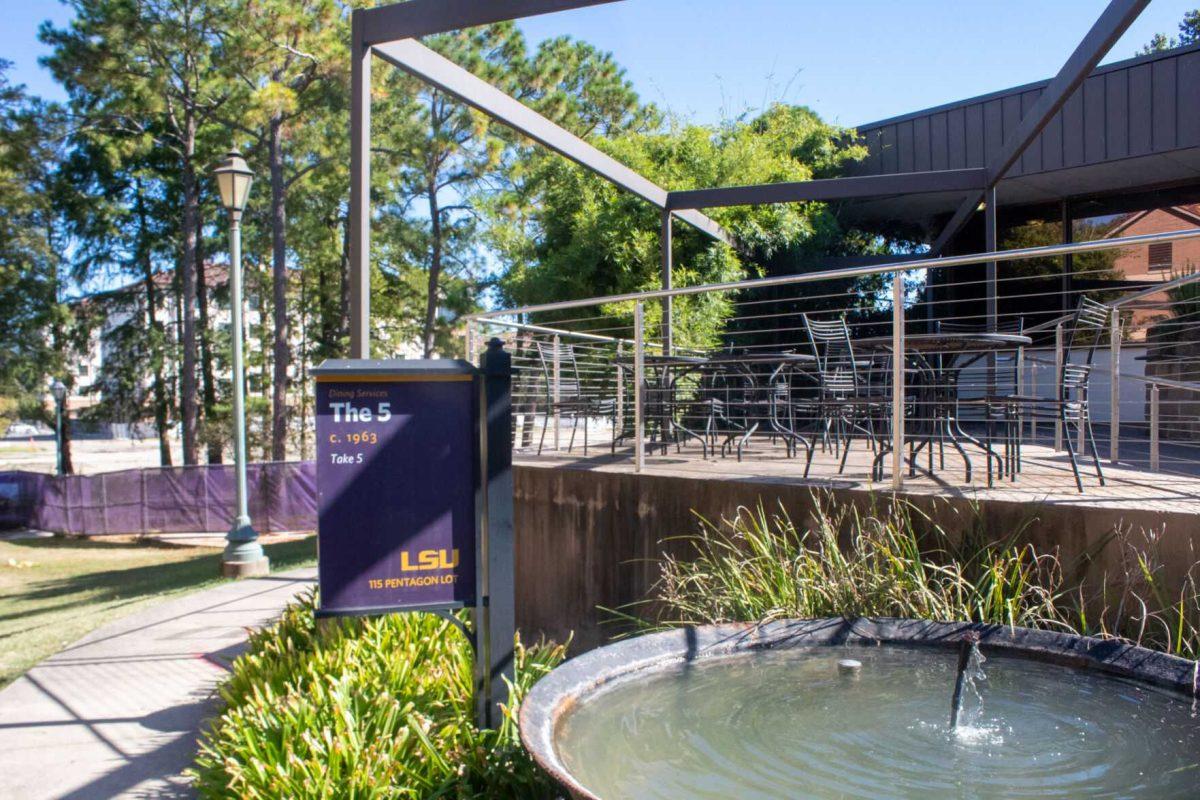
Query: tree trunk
(156, 357)
(435, 262)
(155, 336)
(208, 383)
(279, 281)
(190, 232)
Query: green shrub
(365, 708)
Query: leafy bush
(368, 708)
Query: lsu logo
(428, 560)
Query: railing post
(1058, 368)
(620, 417)
(897, 381)
(1033, 420)
(639, 427)
(1154, 463)
(1114, 419)
(555, 390)
(1020, 390)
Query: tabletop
(659, 360)
(947, 342)
(759, 358)
(717, 359)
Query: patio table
(662, 373)
(936, 357)
(756, 391)
(661, 390)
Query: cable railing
(892, 374)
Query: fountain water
(968, 652)
(768, 711)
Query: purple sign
(397, 465)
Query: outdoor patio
(1046, 478)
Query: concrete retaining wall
(588, 539)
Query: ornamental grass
(893, 560)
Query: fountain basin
(755, 711)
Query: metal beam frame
(427, 17)
(1108, 28)
(949, 180)
(390, 32)
(442, 73)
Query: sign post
(412, 514)
(499, 570)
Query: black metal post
(360, 190)
(1068, 268)
(499, 611)
(665, 241)
(990, 244)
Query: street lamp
(59, 390)
(243, 554)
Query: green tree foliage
(151, 72)
(40, 333)
(1189, 33)
(290, 57)
(438, 164)
(1040, 233)
(564, 233)
(160, 89)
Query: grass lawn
(53, 591)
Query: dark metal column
(990, 245)
(1068, 266)
(360, 191)
(500, 609)
(665, 242)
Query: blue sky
(853, 61)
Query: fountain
(855, 708)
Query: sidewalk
(117, 713)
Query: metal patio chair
(1070, 407)
(990, 414)
(573, 402)
(845, 401)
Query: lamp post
(244, 555)
(59, 390)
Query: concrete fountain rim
(560, 690)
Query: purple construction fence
(283, 497)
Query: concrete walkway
(117, 713)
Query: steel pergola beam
(826, 189)
(426, 17)
(1108, 28)
(438, 71)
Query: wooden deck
(1045, 478)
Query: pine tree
(150, 69)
